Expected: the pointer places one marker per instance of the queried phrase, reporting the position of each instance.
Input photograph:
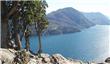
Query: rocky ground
(10, 56)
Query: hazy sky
(102, 6)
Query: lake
(91, 44)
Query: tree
(16, 12)
(8, 9)
(41, 22)
(24, 14)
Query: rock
(107, 60)
(8, 56)
(59, 56)
(32, 61)
(46, 60)
(61, 60)
(75, 61)
(0, 62)
(44, 55)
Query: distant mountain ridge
(97, 18)
(67, 20)
(70, 20)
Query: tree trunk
(40, 44)
(27, 44)
(4, 22)
(17, 38)
(4, 30)
(4, 25)
(39, 37)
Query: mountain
(97, 18)
(67, 20)
(70, 20)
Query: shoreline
(10, 55)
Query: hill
(67, 20)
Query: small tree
(41, 22)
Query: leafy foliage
(22, 15)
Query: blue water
(87, 45)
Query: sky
(102, 6)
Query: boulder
(6, 56)
(107, 60)
(58, 58)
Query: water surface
(92, 44)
